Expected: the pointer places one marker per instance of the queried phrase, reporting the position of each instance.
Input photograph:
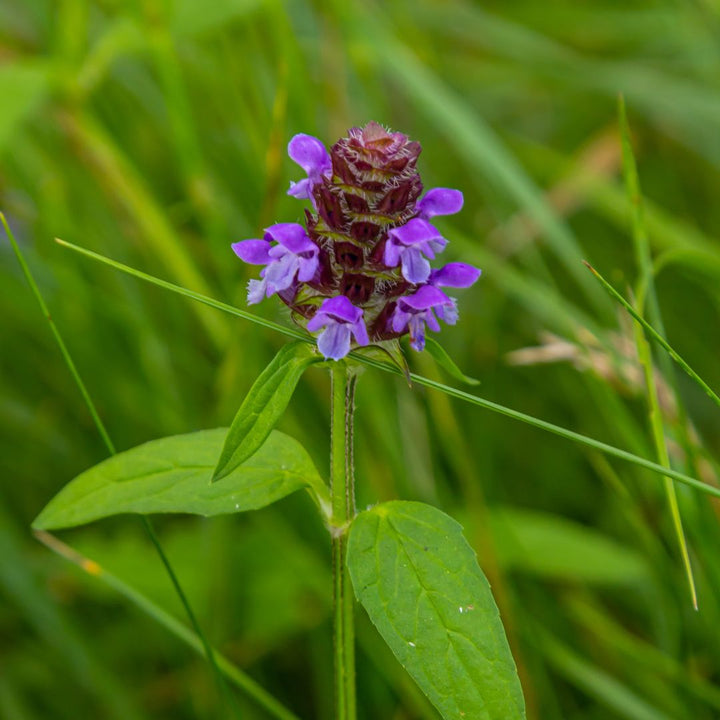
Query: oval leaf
(264, 405)
(420, 582)
(172, 475)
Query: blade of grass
(644, 261)
(655, 335)
(420, 380)
(102, 430)
(658, 433)
(229, 670)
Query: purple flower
(408, 244)
(294, 257)
(439, 201)
(459, 275)
(340, 318)
(310, 154)
(419, 309)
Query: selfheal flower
(310, 154)
(341, 319)
(293, 258)
(439, 201)
(415, 311)
(408, 244)
(455, 274)
(362, 267)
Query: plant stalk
(342, 488)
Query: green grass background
(155, 132)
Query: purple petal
(438, 245)
(254, 252)
(459, 275)
(281, 273)
(310, 154)
(440, 201)
(417, 333)
(308, 268)
(256, 291)
(341, 309)
(431, 320)
(415, 231)
(292, 236)
(426, 297)
(415, 268)
(391, 256)
(301, 189)
(449, 312)
(334, 341)
(360, 332)
(318, 320)
(400, 319)
(278, 251)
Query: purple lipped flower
(341, 319)
(310, 154)
(415, 311)
(455, 274)
(410, 245)
(439, 201)
(294, 258)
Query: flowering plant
(357, 273)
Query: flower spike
(359, 271)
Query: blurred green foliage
(154, 132)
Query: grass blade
(419, 379)
(655, 335)
(644, 261)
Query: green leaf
(420, 582)
(552, 547)
(441, 357)
(264, 405)
(172, 475)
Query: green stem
(343, 510)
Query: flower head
(360, 270)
